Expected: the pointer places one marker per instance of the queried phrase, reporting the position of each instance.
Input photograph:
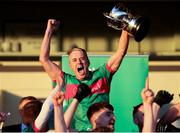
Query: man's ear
(88, 61)
(70, 65)
(93, 122)
(98, 122)
(136, 121)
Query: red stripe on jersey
(109, 69)
(101, 86)
(71, 90)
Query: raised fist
(58, 98)
(163, 97)
(82, 92)
(147, 94)
(52, 25)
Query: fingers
(58, 98)
(52, 24)
(149, 93)
(143, 93)
(147, 83)
(147, 96)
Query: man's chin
(80, 76)
(111, 127)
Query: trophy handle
(114, 23)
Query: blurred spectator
(29, 108)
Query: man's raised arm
(50, 67)
(116, 59)
(147, 95)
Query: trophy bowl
(121, 19)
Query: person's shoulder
(14, 125)
(103, 66)
(12, 128)
(68, 74)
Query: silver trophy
(121, 19)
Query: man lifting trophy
(121, 19)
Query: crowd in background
(80, 102)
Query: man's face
(139, 116)
(79, 64)
(21, 106)
(103, 118)
(23, 103)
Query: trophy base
(141, 29)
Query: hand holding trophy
(120, 19)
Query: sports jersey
(99, 82)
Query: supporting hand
(163, 97)
(82, 92)
(147, 94)
(58, 98)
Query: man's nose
(114, 118)
(79, 61)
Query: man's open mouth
(111, 123)
(80, 68)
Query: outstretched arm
(68, 115)
(47, 108)
(62, 123)
(171, 115)
(50, 67)
(59, 122)
(148, 97)
(63, 120)
(116, 59)
(82, 92)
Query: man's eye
(82, 58)
(108, 114)
(74, 60)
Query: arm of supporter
(82, 92)
(68, 115)
(148, 125)
(59, 122)
(47, 108)
(63, 120)
(171, 115)
(116, 59)
(50, 67)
